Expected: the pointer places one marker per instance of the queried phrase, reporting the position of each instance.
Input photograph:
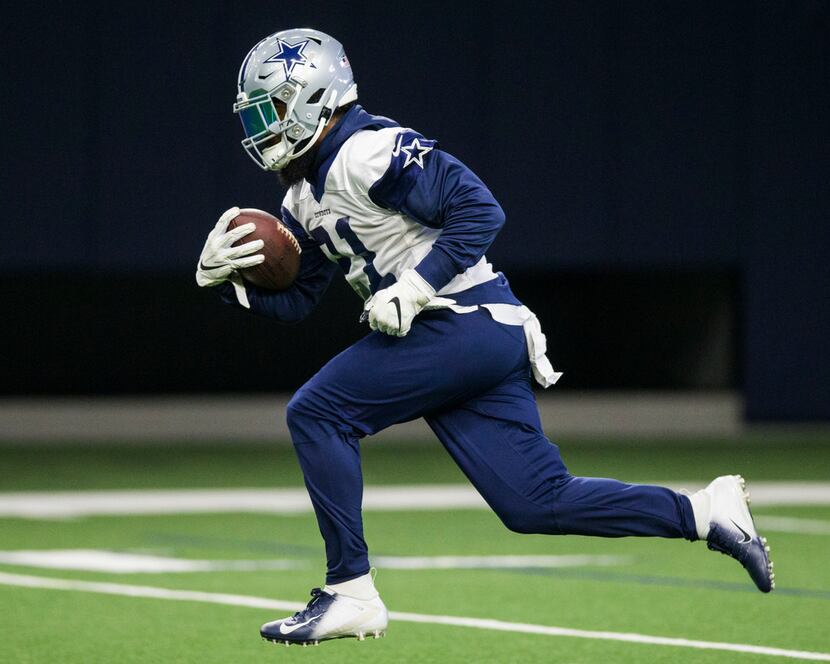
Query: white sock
(363, 587)
(702, 508)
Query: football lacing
(291, 237)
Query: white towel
(537, 343)
(512, 314)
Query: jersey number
(370, 279)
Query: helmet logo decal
(414, 151)
(290, 55)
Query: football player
(408, 226)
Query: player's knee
(310, 415)
(300, 411)
(525, 519)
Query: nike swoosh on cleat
(397, 304)
(746, 538)
(287, 630)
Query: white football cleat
(330, 616)
(723, 506)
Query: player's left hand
(392, 309)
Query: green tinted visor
(257, 117)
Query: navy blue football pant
(469, 377)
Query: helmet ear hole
(316, 97)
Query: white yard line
(69, 504)
(454, 621)
(118, 562)
(496, 562)
(789, 524)
(46, 504)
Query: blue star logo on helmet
(290, 55)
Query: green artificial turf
(667, 588)
(663, 587)
(127, 466)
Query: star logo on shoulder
(290, 55)
(414, 151)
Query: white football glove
(392, 309)
(219, 260)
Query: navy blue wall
(648, 136)
(613, 134)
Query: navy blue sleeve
(294, 304)
(437, 190)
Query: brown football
(281, 249)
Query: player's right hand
(219, 258)
(392, 309)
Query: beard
(297, 169)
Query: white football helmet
(289, 85)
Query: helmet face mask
(289, 86)
(268, 124)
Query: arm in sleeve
(443, 194)
(298, 301)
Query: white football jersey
(373, 245)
